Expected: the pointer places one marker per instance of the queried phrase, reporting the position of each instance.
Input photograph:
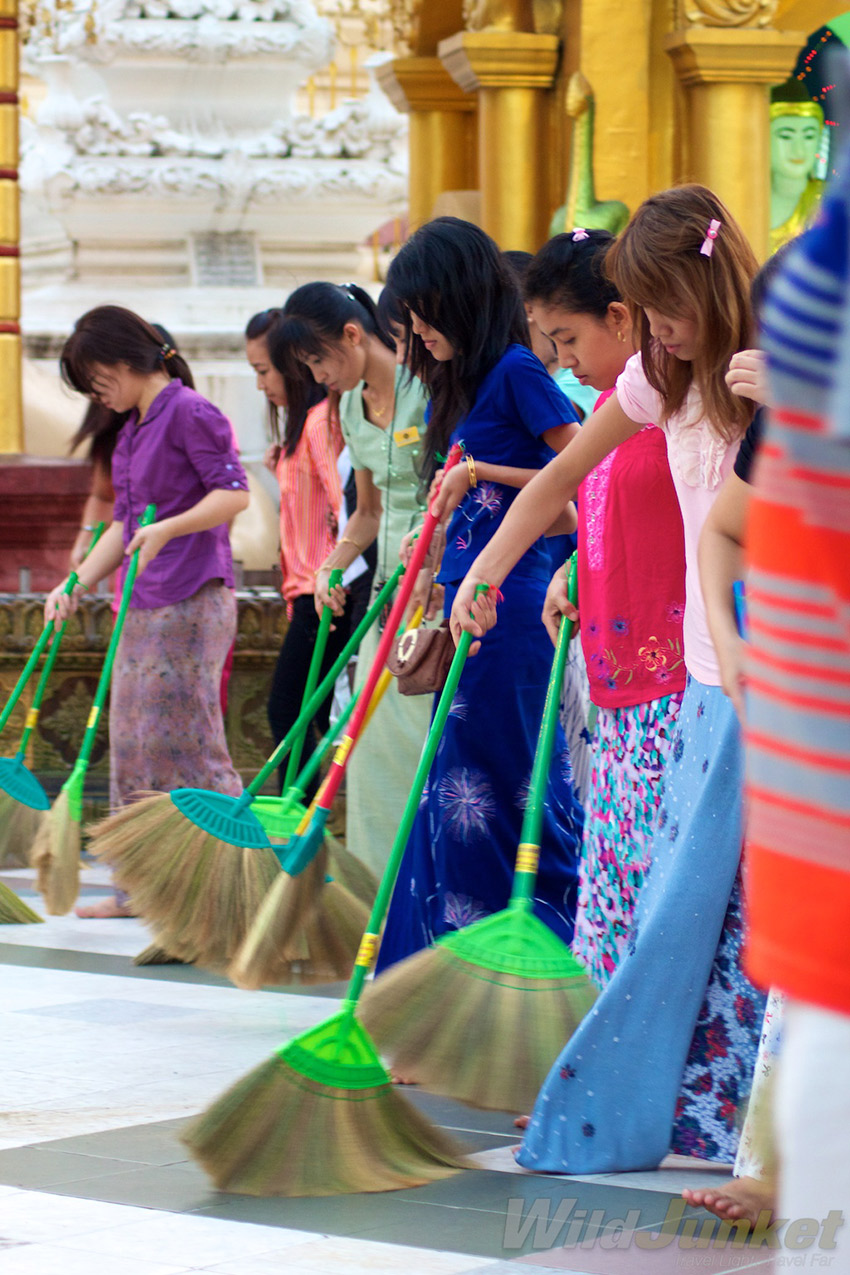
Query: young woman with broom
(334, 330)
(467, 339)
(175, 450)
(631, 584)
(666, 1056)
(304, 460)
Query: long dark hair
(301, 391)
(101, 426)
(569, 273)
(452, 275)
(315, 315)
(110, 334)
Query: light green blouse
(392, 456)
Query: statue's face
(794, 144)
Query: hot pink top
(631, 574)
(700, 460)
(310, 497)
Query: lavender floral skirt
(165, 724)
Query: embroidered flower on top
(652, 654)
(488, 497)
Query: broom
(174, 853)
(13, 910)
(23, 798)
(321, 1116)
(56, 853)
(302, 847)
(309, 925)
(507, 982)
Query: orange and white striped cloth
(798, 599)
(310, 500)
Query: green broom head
(280, 817)
(13, 910)
(319, 1118)
(199, 894)
(302, 848)
(226, 818)
(19, 827)
(21, 784)
(56, 856)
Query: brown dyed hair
(111, 334)
(657, 262)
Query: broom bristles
(277, 1133)
(351, 872)
(13, 910)
(199, 894)
(19, 826)
(307, 930)
(485, 1038)
(156, 954)
(56, 857)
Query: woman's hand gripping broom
(56, 853)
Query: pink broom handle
(355, 725)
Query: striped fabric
(310, 500)
(798, 767)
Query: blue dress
(459, 860)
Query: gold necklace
(380, 414)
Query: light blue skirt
(665, 1058)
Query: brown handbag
(420, 660)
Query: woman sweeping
(468, 340)
(665, 1058)
(176, 451)
(336, 333)
(631, 584)
(304, 459)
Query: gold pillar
(11, 412)
(726, 75)
(443, 138)
(510, 70)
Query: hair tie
(710, 235)
(167, 352)
(346, 287)
(580, 234)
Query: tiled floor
(101, 1063)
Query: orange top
(310, 500)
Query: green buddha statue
(795, 134)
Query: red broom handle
(355, 725)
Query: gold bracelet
(470, 465)
(346, 540)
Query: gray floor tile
(152, 1187)
(43, 1168)
(141, 1144)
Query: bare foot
(402, 1080)
(104, 908)
(522, 1122)
(742, 1198)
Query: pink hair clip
(710, 235)
(580, 234)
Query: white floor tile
(335, 1255)
(189, 1241)
(38, 1217)
(44, 1259)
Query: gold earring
(620, 334)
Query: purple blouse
(182, 450)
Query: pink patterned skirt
(165, 724)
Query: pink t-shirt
(699, 461)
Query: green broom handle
(32, 714)
(333, 779)
(309, 710)
(528, 851)
(43, 639)
(311, 682)
(295, 792)
(369, 943)
(74, 780)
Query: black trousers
(290, 676)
